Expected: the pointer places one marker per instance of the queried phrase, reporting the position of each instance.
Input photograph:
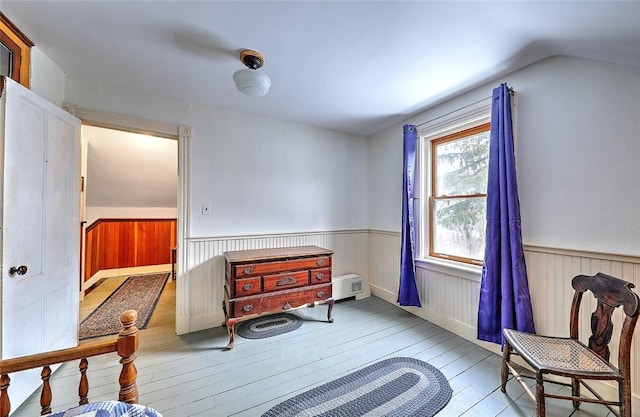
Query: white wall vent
(349, 285)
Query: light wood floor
(192, 375)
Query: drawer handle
(320, 262)
(319, 276)
(248, 270)
(247, 287)
(285, 281)
(247, 308)
(320, 294)
(287, 306)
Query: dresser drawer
(320, 276)
(247, 286)
(278, 282)
(263, 268)
(279, 302)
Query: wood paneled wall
(121, 243)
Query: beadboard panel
(550, 272)
(205, 266)
(384, 263)
(450, 299)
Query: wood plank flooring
(192, 375)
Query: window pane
(461, 166)
(5, 60)
(459, 227)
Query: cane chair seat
(557, 355)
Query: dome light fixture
(249, 81)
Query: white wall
(577, 155)
(576, 139)
(269, 183)
(264, 176)
(259, 175)
(577, 148)
(47, 79)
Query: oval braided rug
(268, 326)
(398, 387)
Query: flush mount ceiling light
(249, 81)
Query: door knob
(21, 270)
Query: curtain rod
(511, 93)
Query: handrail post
(127, 347)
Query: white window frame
(468, 117)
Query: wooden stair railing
(126, 345)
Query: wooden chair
(126, 345)
(570, 358)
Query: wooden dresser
(267, 281)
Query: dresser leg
(224, 309)
(232, 338)
(231, 324)
(331, 302)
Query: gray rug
(397, 387)
(268, 326)
(138, 292)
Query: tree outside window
(459, 164)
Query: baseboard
(118, 272)
(460, 329)
(386, 295)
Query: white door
(39, 161)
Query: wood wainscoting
(123, 243)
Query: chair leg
(540, 404)
(575, 391)
(624, 388)
(506, 357)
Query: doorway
(129, 213)
(130, 178)
(181, 134)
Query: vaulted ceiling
(350, 66)
(129, 170)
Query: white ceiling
(355, 67)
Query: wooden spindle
(45, 394)
(83, 388)
(5, 404)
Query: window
(453, 171)
(457, 211)
(15, 52)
